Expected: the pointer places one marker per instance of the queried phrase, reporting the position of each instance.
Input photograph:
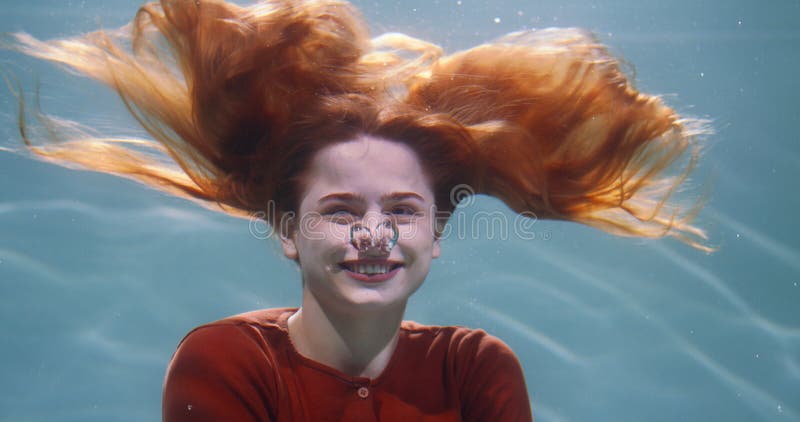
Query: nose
(374, 239)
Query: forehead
(367, 165)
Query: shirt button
(363, 392)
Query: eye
(403, 210)
(339, 215)
(404, 213)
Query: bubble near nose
(386, 235)
(360, 236)
(381, 239)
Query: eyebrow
(352, 197)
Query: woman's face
(367, 180)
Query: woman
(346, 354)
(352, 149)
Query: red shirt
(245, 368)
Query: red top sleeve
(494, 386)
(213, 377)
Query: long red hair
(241, 98)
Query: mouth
(370, 267)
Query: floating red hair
(241, 98)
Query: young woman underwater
(351, 147)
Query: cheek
(319, 255)
(419, 250)
(418, 266)
(419, 238)
(319, 237)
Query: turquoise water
(100, 278)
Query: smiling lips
(371, 271)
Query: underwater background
(101, 277)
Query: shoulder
(242, 324)
(490, 379)
(471, 354)
(235, 336)
(469, 342)
(229, 351)
(263, 318)
(232, 361)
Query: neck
(358, 343)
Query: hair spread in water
(240, 98)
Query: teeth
(371, 268)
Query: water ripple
(717, 284)
(777, 249)
(543, 412)
(173, 219)
(752, 395)
(32, 267)
(757, 399)
(120, 351)
(529, 282)
(542, 340)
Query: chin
(374, 300)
